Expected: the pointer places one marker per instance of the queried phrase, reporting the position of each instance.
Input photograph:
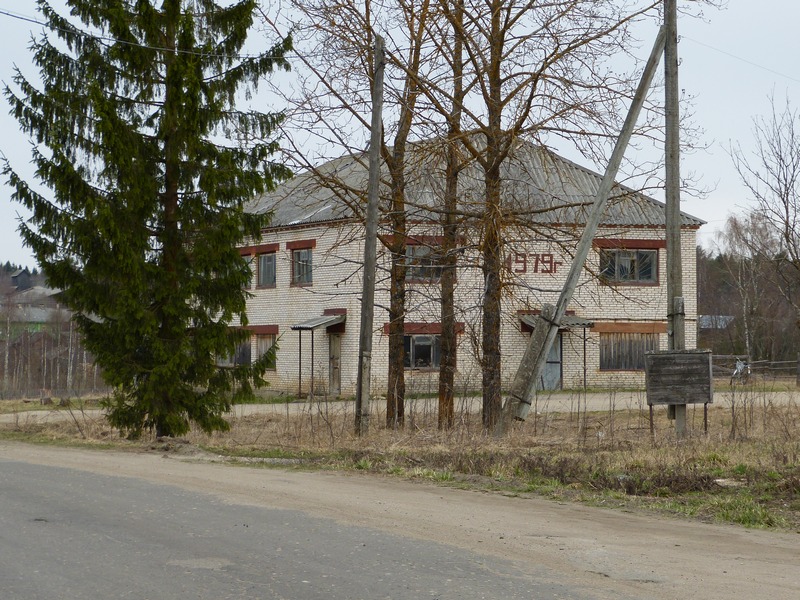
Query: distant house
(714, 322)
(717, 332)
(21, 279)
(35, 308)
(306, 284)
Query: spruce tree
(132, 127)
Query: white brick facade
(536, 275)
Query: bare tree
(747, 260)
(333, 105)
(533, 70)
(772, 176)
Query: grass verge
(745, 471)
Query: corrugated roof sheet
(320, 321)
(538, 186)
(567, 321)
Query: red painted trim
(424, 328)
(420, 240)
(425, 240)
(263, 329)
(630, 327)
(334, 311)
(301, 244)
(260, 249)
(629, 244)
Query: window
(423, 263)
(250, 262)
(266, 270)
(241, 356)
(301, 266)
(629, 266)
(625, 351)
(265, 344)
(422, 351)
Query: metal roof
(538, 187)
(320, 321)
(567, 321)
(714, 321)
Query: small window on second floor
(422, 263)
(301, 266)
(266, 270)
(629, 266)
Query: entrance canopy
(320, 321)
(311, 325)
(567, 322)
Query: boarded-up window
(625, 351)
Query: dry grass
(746, 470)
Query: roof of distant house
(714, 321)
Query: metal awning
(320, 321)
(567, 322)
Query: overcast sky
(731, 62)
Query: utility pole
(370, 247)
(676, 329)
(523, 388)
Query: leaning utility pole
(523, 388)
(370, 248)
(676, 329)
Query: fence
(50, 362)
(787, 371)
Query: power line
(744, 60)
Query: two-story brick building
(307, 285)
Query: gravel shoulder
(613, 552)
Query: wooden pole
(370, 248)
(518, 404)
(676, 316)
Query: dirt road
(615, 553)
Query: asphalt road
(79, 523)
(67, 534)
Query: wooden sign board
(679, 377)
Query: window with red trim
(423, 263)
(265, 344)
(624, 266)
(302, 266)
(422, 351)
(266, 267)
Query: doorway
(334, 364)
(551, 375)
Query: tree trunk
(171, 235)
(449, 340)
(396, 392)
(493, 222)
(492, 265)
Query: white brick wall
(337, 285)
